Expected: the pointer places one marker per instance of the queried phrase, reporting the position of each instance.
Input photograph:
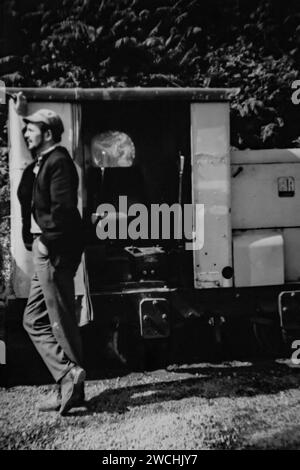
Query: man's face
(34, 136)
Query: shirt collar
(48, 150)
(40, 158)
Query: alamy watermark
(296, 94)
(295, 356)
(160, 221)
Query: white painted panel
(291, 256)
(291, 238)
(255, 199)
(211, 187)
(19, 158)
(258, 258)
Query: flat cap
(48, 117)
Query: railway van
(192, 248)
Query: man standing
(48, 197)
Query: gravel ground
(236, 405)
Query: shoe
(72, 389)
(52, 402)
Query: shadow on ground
(209, 382)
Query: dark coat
(25, 197)
(53, 202)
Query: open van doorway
(156, 142)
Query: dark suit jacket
(25, 197)
(53, 202)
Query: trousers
(49, 316)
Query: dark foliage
(216, 43)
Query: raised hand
(20, 103)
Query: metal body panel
(258, 258)
(211, 187)
(256, 198)
(259, 201)
(291, 238)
